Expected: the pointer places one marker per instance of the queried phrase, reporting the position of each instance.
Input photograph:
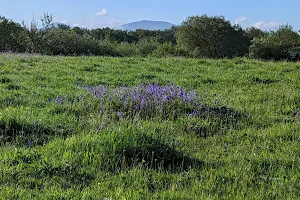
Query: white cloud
(64, 21)
(240, 19)
(266, 25)
(102, 12)
(115, 24)
(113, 21)
(76, 25)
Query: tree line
(198, 36)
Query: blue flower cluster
(148, 100)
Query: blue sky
(264, 14)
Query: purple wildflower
(30, 143)
(119, 114)
(196, 112)
(215, 102)
(35, 123)
(147, 99)
(59, 100)
(166, 98)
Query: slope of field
(144, 128)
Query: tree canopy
(198, 36)
(212, 37)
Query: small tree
(253, 32)
(47, 21)
(36, 33)
(12, 36)
(57, 41)
(63, 27)
(212, 37)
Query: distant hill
(147, 25)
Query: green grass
(73, 151)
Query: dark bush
(13, 37)
(56, 42)
(292, 54)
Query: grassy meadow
(147, 128)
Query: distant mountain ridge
(146, 24)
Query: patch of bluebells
(149, 100)
(144, 101)
(62, 100)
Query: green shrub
(212, 37)
(275, 44)
(168, 50)
(165, 50)
(57, 41)
(88, 45)
(108, 48)
(147, 46)
(68, 42)
(292, 54)
(126, 49)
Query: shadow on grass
(268, 171)
(23, 134)
(215, 121)
(65, 176)
(31, 170)
(264, 81)
(5, 80)
(13, 100)
(13, 87)
(154, 154)
(209, 81)
(224, 116)
(74, 162)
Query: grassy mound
(75, 161)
